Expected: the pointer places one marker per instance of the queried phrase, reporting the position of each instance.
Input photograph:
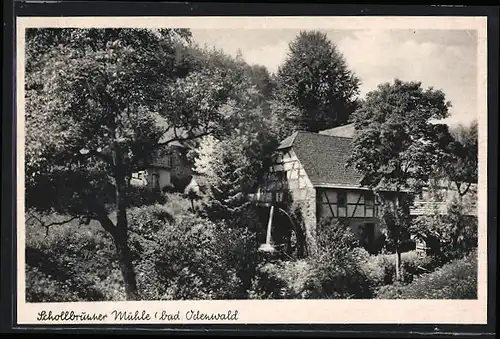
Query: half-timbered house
(309, 169)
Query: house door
(368, 237)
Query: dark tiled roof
(324, 158)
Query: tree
(232, 162)
(98, 102)
(316, 80)
(396, 148)
(461, 165)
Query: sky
(443, 59)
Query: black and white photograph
(252, 163)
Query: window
(369, 204)
(369, 201)
(283, 175)
(341, 199)
(341, 204)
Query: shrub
(71, 263)
(195, 258)
(148, 220)
(238, 249)
(143, 195)
(144, 224)
(282, 280)
(336, 264)
(455, 280)
(457, 233)
(380, 269)
(41, 287)
(177, 205)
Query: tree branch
(47, 226)
(61, 222)
(106, 223)
(185, 139)
(466, 189)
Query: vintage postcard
(251, 170)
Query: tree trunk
(121, 231)
(398, 262)
(123, 252)
(126, 267)
(398, 226)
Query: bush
(455, 280)
(41, 287)
(195, 258)
(142, 195)
(144, 224)
(71, 263)
(380, 269)
(336, 264)
(457, 233)
(282, 280)
(177, 205)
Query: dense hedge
(381, 269)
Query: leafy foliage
(197, 259)
(233, 163)
(282, 280)
(336, 263)
(455, 280)
(71, 263)
(396, 147)
(316, 81)
(101, 90)
(395, 144)
(457, 233)
(461, 163)
(380, 269)
(99, 102)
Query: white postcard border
(270, 311)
